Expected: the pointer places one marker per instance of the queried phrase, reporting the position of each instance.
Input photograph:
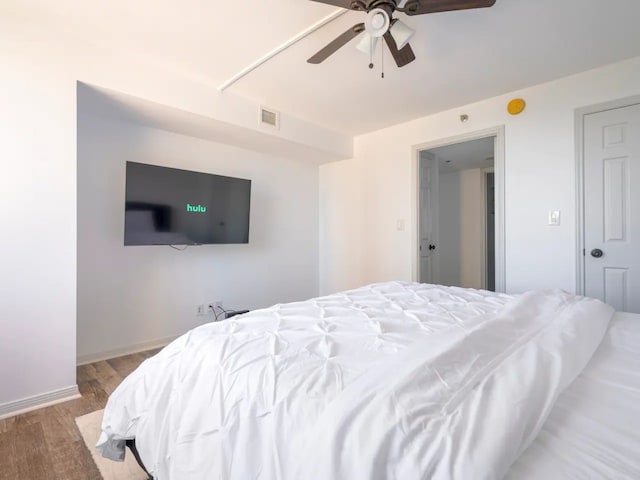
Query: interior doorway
(460, 226)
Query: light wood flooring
(45, 444)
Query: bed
(395, 380)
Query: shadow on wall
(450, 229)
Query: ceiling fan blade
(403, 56)
(338, 3)
(340, 41)
(420, 7)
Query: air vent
(269, 117)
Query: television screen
(169, 206)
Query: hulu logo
(196, 208)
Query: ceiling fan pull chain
(382, 60)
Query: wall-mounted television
(169, 206)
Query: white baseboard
(24, 405)
(128, 350)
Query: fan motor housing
(387, 5)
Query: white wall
(539, 174)
(449, 229)
(461, 228)
(341, 206)
(472, 228)
(37, 241)
(130, 296)
(39, 71)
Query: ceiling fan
(380, 23)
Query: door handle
(597, 253)
(432, 247)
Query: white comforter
(390, 381)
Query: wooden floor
(45, 444)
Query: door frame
(580, 114)
(485, 229)
(499, 172)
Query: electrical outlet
(201, 309)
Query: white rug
(89, 426)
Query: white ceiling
(462, 56)
(477, 153)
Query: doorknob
(597, 253)
(432, 247)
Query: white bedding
(393, 380)
(593, 431)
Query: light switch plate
(554, 217)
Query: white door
(428, 218)
(612, 207)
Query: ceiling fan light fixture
(367, 44)
(377, 22)
(401, 33)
